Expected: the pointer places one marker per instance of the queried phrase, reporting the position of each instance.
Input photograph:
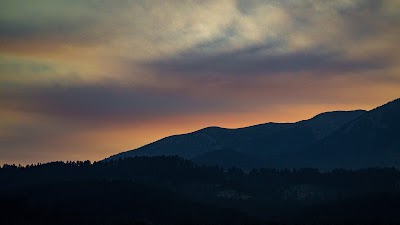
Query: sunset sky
(89, 79)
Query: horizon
(193, 131)
(89, 79)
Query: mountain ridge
(296, 144)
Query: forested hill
(172, 190)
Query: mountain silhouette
(371, 140)
(339, 139)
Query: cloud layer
(133, 71)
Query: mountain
(348, 139)
(372, 139)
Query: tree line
(172, 190)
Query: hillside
(348, 139)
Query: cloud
(69, 66)
(273, 37)
(247, 62)
(166, 44)
(43, 20)
(153, 30)
(102, 103)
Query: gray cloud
(328, 31)
(249, 61)
(100, 103)
(46, 30)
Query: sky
(88, 79)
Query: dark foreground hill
(171, 190)
(342, 139)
